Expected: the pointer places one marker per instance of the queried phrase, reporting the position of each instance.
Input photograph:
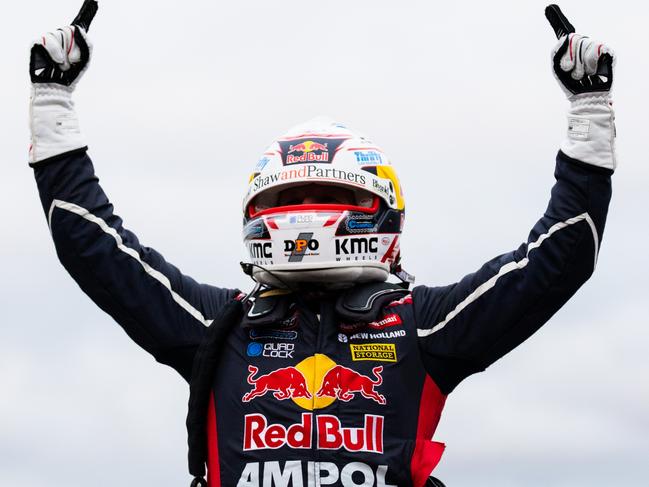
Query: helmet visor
(313, 196)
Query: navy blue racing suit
(306, 405)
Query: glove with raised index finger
(582, 66)
(58, 60)
(584, 69)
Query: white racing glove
(58, 61)
(584, 69)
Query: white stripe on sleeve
(155, 274)
(512, 266)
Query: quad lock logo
(271, 350)
(315, 383)
(301, 246)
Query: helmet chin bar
(324, 278)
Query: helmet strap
(404, 276)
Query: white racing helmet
(333, 245)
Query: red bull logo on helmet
(315, 383)
(307, 146)
(309, 149)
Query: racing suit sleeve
(162, 310)
(465, 327)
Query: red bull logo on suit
(343, 383)
(284, 383)
(259, 434)
(315, 383)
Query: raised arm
(161, 309)
(465, 327)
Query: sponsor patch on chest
(270, 350)
(330, 434)
(382, 352)
(381, 329)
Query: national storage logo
(382, 352)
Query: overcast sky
(179, 103)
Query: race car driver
(324, 374)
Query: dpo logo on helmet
(299, 247)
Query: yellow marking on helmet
(388, 172)
(252, 176)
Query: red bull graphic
(284, 383)
(259, 434)
(343, 383)
(315, 383)
(309, 148)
